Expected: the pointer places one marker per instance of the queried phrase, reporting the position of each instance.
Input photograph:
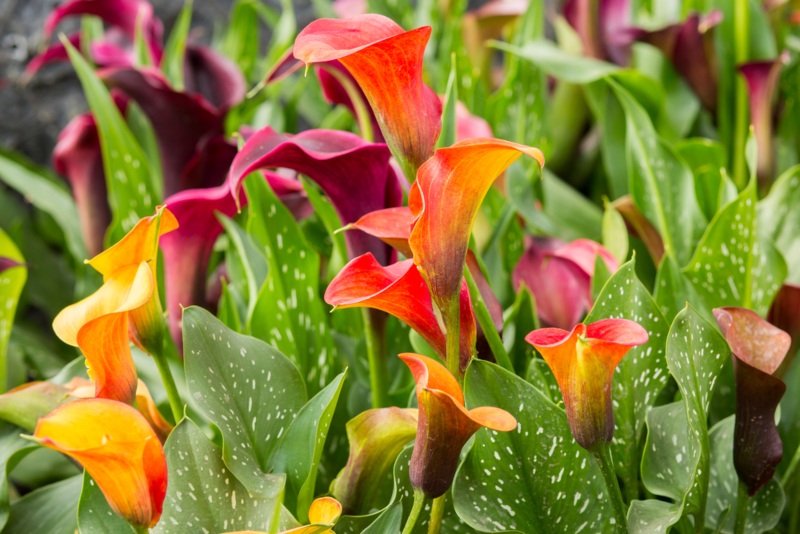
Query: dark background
(32, 115)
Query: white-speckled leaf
(779, 219)
(673, 290)
(95, 516)
(245, 387)
(288, 312)
(661, 184)
(732, 265)
(764, 508)
(533, 479)
(203, 496)
(652, 516)
(299, 452)
(642, 373)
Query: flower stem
(791, 471)
(175, 402)
(437, 512)
(742, 500)
(362, 111)
(741, 122)
(375, 333)
(487, 325)
(602, 455)
(419, 502)
(452, 323)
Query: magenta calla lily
(560, 277)
(762, 82)
(214, 77)
(355, 175)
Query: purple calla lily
(598, 24)
(355, 175)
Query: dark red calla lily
(598, 23)
(785, 314)
(399, 290)
(444, 425)
(689, 46)
(214, 77)
(77, 156)
(762, 81)
(407, 110)
(356, 175)
(583, 363)
(757, 348)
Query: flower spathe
(323, 512)
(444, 425)
(126, 306)
(117, 447)
(757, 348)
(583, 363)
(445, 198)
(407, 110)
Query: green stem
(741, 125)
(601, 453)
(487, 325)
(437, 512)
(791, 471)
(419, 502)
(742, 499)
(140, 530)
(175, 402)
(452, 323)
(363, 115)
(376, 354)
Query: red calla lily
(399, 290)
(583, 363)
(407, 110)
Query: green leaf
(127, 169)
(652, 516)
(642, 373)
(204, 496)
(506, 476)
(45, 192)
(301, 449)
(174, 53)
(779, 221)
(520, 320)
(249, 390)
(573, 215)
(389, 522)
(732, 265)
(241, 39)
(289, 310)
(95, 516)
(13, 448)
(660, 183)
(615, 233)
(248, 259)
(764, 508)
(447, 137)
(12, 280)
(673, 290)
(707, 159)
(558, 63)
(48, 509)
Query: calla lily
(399, 290)
(785, 314)
(147, 407)
(376, 438)
(349, 8)
(77, 156)
(445, 198)
(598, 23)
(689, 46)
(758, 348)
(408, 111)
(126, 15)
(8, 263)
(391, 225)
(356, 175)
(560, 277)
(323, 514)
(126, 305)
(117, 447)
(762, 82)
(583, 363)
(444, 425)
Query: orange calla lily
(126, 305)
(408, 111)
(323, 514)
(583, 363)
(148, 409)
(399, 290)
(117, 447)
(444, 425)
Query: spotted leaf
(204, 496)
(778, 220)
(534, 477)
(642, 373)
(248, 389)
